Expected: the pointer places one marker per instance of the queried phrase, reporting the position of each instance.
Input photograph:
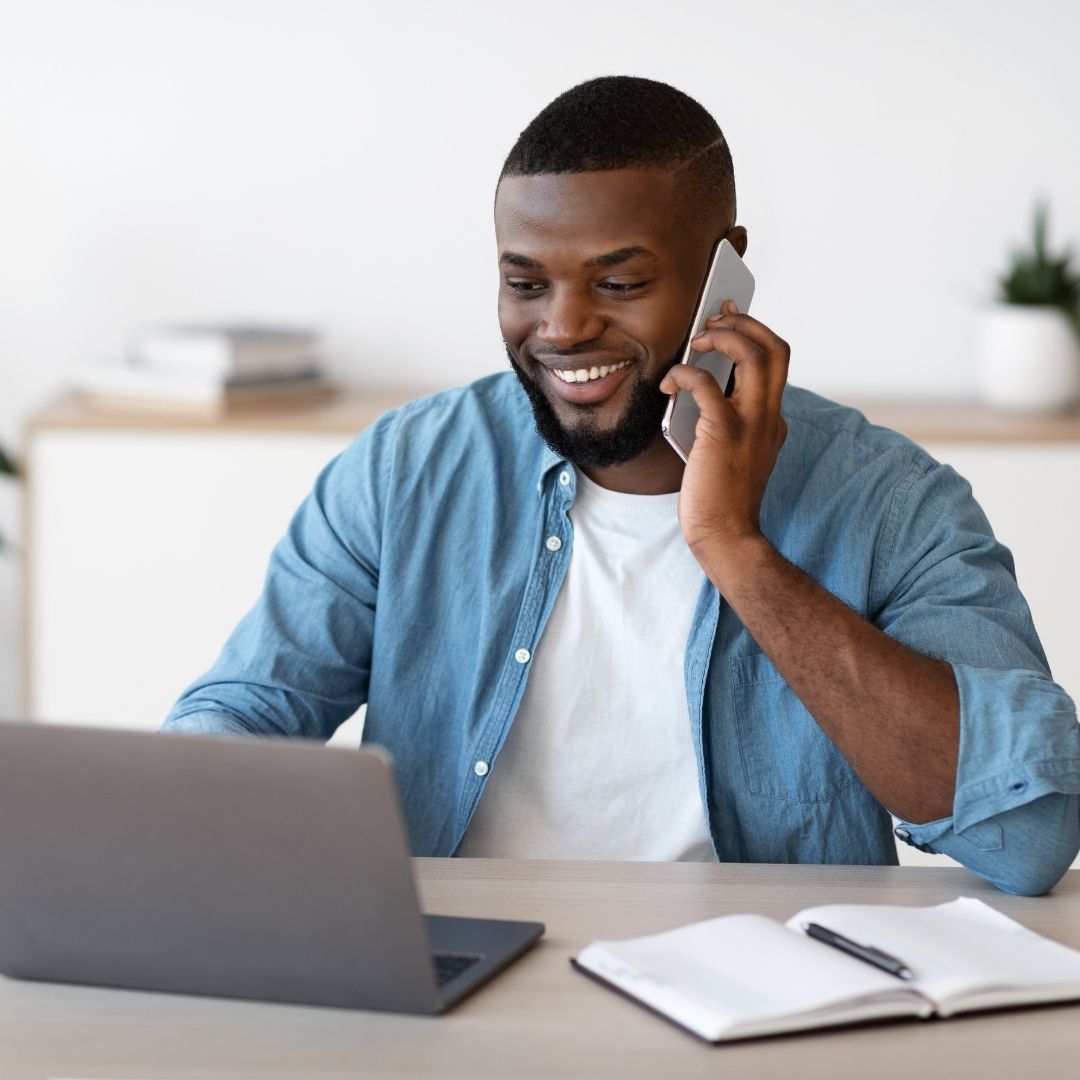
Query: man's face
(598, 281)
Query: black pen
(862, 952)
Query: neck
(656, 471)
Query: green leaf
(1040, 232)
(1038, 278)
(7, 467)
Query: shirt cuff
(1019, 740)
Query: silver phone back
(728, 279)
(235, 867)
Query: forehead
(586, 212)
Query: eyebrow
(609, 258)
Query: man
(756, 657)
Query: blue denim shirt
(416, 577)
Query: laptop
(269, 869)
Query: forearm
(892, 713)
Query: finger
(776, 347)
(757, 331)
(707, 393)
(752, 363)
(715, 410)
(728, 307)
(688, 377)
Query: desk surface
(540, 1018)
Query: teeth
(587, 375)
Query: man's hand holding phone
(737, 439)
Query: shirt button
(480, 768)
(523, 656)
(553, 543)
(901, 833)
(564, 478)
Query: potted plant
(7, 468)
(1030, 349)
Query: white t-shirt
(599, 762)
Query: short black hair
(626, 122)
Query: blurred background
(332, 164)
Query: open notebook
(741, 976)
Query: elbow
(206, 722)
(1024, 851)
(1039, 843)
(1031, 881)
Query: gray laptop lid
(234, 867)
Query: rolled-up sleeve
(947, 589)
(299, 663)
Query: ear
(737, 238)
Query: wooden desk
(540, 1018)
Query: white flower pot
(1029, 359)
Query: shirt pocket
(785, 755)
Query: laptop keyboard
(450, 965)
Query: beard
(586, 444)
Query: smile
(589, 385)
(580, 375)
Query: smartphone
(727, 279)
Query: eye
(623, 288)
(524, 287)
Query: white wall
(335, 162)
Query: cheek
(662, 326)
(514, 323)
(514, 329)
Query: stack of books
(209, 369)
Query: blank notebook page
(745, 967)
(953, 948)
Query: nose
(568, 319)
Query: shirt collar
(548, 461)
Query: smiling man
(577, 647)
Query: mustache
(580, 349)
(576, 350)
